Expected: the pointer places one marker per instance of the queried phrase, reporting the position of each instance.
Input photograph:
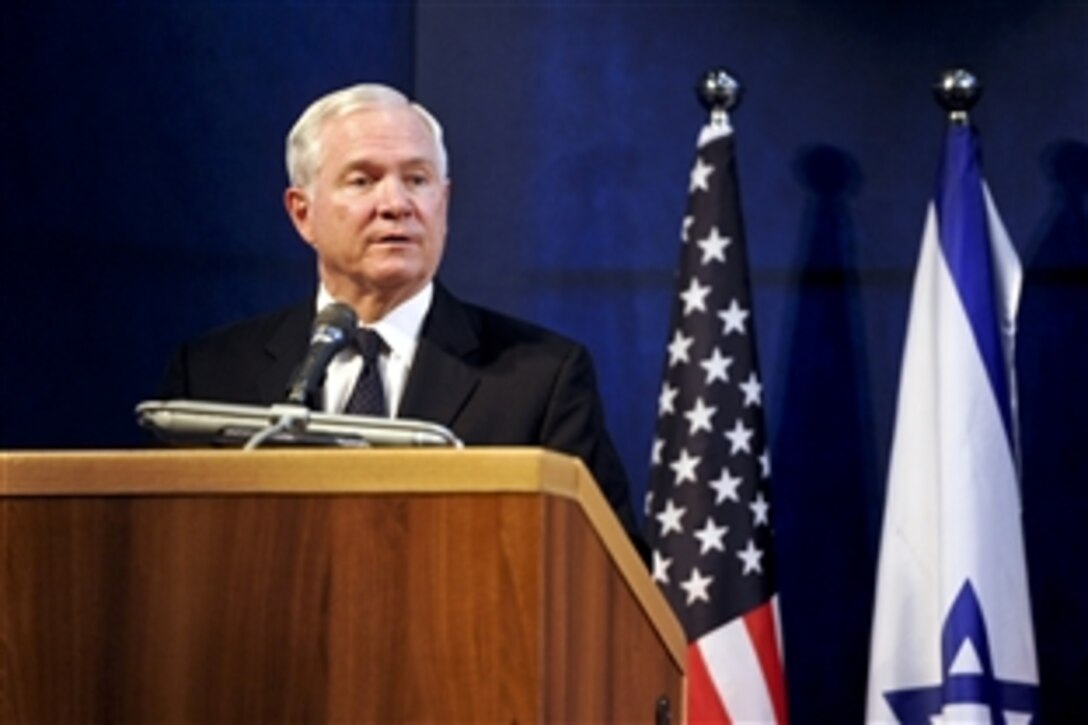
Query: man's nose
(393, 198)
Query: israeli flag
(952, 638)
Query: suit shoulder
(244, 362)
(252, 332)
(500, 328)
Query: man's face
(376, 209)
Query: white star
(699, 176)
(696, 586)
(716, 366)
(751, 556)
(667, 398)
(661, 568)
(760, 508)
(765, 465)
(684, 467)
(726, 486)
(685, 228)
(699, 417)
(670, 519)
(694, 297)
(753, 391)
(710, 536)
(713, 246)
(655, 452)
(678, 348)
(648, 503)
(740, 438)
(733, 319)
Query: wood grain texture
(602, 663)
(226, 603)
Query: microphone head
(332, 330)
(335, 324)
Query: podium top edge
(281, 471)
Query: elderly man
(370, 193)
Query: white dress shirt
(400, 330)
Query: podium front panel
(212, 589)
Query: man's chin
(393, 281)
(392, 276)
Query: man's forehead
(361, 133)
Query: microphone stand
(286, 417)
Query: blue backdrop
(143, 178)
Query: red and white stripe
(735, 672)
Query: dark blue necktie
(368, 396)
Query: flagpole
(709, 496)
(957, 90)
(952, 631)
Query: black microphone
(332, 330)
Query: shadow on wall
(1052, 360)
(824, 463)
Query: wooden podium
(324, 585)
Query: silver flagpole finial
(957, 90)
(719, 93)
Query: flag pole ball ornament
(718, 91)
(957, 90)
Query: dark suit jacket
(490, 378)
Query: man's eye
(359, 180)
(418, 180)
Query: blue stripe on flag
(965, 240)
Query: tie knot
(369, 344)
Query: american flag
(708, 509)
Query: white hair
(304, 139)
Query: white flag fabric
(952, 638)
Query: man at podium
(369, 192)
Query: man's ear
(297, 203)
(446, 194)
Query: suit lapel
(443, 375)
(284, 350)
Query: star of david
(965, 626)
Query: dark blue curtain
(143, 179)
(144, 174)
